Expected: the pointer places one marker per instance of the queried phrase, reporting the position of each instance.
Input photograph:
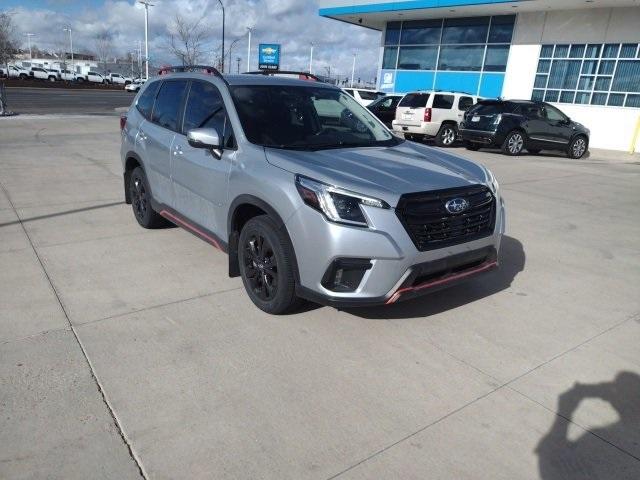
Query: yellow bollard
(634, 140)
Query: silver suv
(309, 194)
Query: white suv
(363, 96)
(427, 114)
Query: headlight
(336, 204)
(492, 182)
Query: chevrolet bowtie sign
(269, 56)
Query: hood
(383, 172)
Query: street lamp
(222, 6)
(68, 29)
(311, 59)
(250, 29)
(146, 34)
(353, 69)
(29, 35)
(230, 51)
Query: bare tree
(8, 44)
(104, 47)
(187, 39)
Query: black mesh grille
(431, 226)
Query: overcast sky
(293, 23)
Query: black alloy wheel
(267, 264)
(140, 196)
(261, 267)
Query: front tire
(446, 136)
(513, 144)
(266, 262)
(578, 147)
(140, 195)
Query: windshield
(306, 118)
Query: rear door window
(168, 104)
(145, 102)
(444, 102)
(488, 108)
(414, 100)
(205, 109)
(465, 103)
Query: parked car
(135, 85)
(118, 79)
(92, 77)
(43, 74)
(14, 71)
(516, 125)
(67, 75)
(385, 108)
(306, 205)
(427, 114)
(363, 95)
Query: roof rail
(165, 70)
(310, 76)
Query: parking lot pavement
(127, 353)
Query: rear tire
(578, 147)
(266, 262)
(474, 147)
(513, 144)
(52, 79)
(446, 136)
(140, 194)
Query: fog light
(345, 274)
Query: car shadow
(560, 458)
(512, 262)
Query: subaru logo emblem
(457, 205)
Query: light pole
(250, 29)
(238, 59)
(146, 34)
(222, 6)
(230, 52)
(311, 58)
(29, 35)
(68, 29)
(353, 69)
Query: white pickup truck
(14, 71)
(43, 74)
(118, 79)
(91, 77)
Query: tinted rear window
(415, 100)
(168, 102)
(443, 101)
(145, 102)
(465, 103)
(492, 108)
(370, 95)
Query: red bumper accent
(441, 281)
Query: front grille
(431, 226)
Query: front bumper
(398, 270)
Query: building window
(418, 58)
(460, 45)
(607, 74)
(464, 58)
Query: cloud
(293, 23)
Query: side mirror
(205, 138)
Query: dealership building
(581, 55)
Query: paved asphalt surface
(128, 353)
(69, 101)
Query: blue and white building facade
(580, 55)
